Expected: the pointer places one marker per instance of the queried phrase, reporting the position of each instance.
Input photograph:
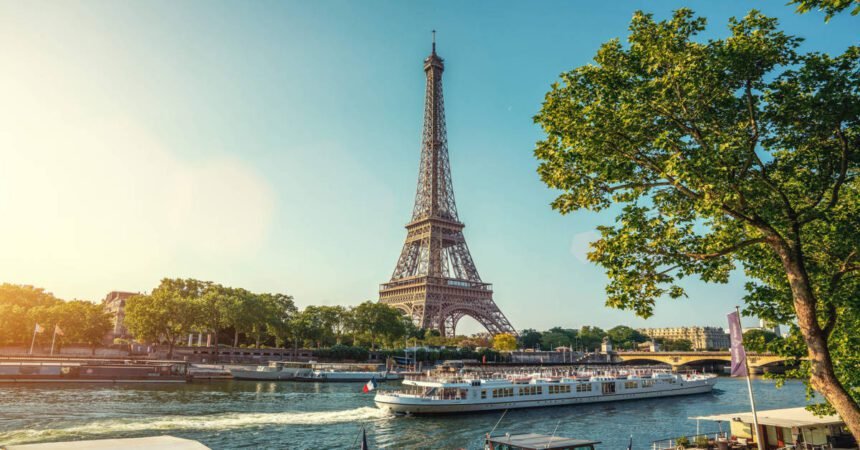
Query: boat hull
(411, 405)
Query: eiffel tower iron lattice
(435, 281)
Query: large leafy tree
(737, 150)
(172, 311)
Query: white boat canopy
(147, 443)
(788, 417)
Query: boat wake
(214, 423)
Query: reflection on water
(247, 414)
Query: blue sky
(274, 145)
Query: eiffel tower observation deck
(435, 281)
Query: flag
(739, 355)
(38, 329)
(57, 330)
(371, 385)
(364, 438)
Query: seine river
(247, 414)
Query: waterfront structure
(435, 281)
(788, 426)
(114, 303)
(702, 338)
(455, 393)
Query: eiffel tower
(435, 281)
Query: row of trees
(178, 307)
(22, 307)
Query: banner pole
(53, 339)
(33, 341)
(758, 437)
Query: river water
(248, 414)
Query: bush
(682, 441)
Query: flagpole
(750, 389)
(53, 339)
(33, 341)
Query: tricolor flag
(371, 385)
(739, 355)
(58, 331)
(38, 329)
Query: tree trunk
(235, 337)
(822, 378)
(170, 349)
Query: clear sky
(274, 145)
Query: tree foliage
(505, 342)
(830, 7)
(22, 307)
(736, 150)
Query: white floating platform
(147, 443)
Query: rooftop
(788, 417)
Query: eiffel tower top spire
(434, 197)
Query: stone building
(114, 303)
(702, 338)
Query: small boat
(348, 376)
(275, 371)
(447, 393)
(532, 441)
(314, 372)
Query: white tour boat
(454, 393)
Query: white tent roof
(788, 417)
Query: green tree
(529, 338)
(214, 311)
(758, 340)
(169, 313)
(591, 337)
(379, 320)
(625, 337)
(82, 322)
(830, 7)
(504, 342)
(737, 150)
(17, 303)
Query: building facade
(702, 338)
(114, 303)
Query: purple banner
(739, 355)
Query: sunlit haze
(275, 146)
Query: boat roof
(146, 443)
(787, 417)
(540, 441)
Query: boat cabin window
(483, 393)
(503, 392)
(609, 388)
(560, 389)
(583, 387)
(647, 383)
(531, 390)
(631, 385)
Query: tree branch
(725, 251)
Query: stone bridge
(756, 361)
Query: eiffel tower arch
(435, 281)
